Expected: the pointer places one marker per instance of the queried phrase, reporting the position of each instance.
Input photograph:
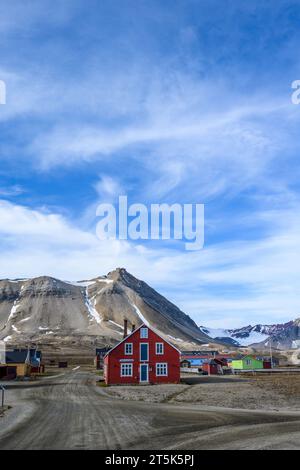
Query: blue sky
(176, 101)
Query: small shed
(267, 364)
(211, 367)
(185, 364)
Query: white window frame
(160, 346)
(158, 365)
(126, 365)
(144, 333)
(131, 349)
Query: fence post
(2, 399)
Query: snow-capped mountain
(54, 312)
(282, 335)
(238, 337)
(45, 310)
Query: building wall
(113, 361)
(267, 365)
(213, 369)
(242, 364)
(22, 369)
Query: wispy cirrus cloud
(11, 191)
(168, 102)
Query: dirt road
(70, 412)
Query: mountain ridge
(91, 312)
(278, 335)
(47, 310)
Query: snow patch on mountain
(15, 329)
(91, 308)
(7, 338)
(139, 313)
(13, 311)
(242, 336)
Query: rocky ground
(91, 418)
(261, 392)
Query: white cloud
(228, 284)
(108, 186)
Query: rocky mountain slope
(53, 312)
(282, 335)
(286, 337)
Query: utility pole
(271, 355)
(2, 399)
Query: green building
(247, 363)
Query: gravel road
(70, 412)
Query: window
(126, 370)
(161, 369)
(144, 333)
(144, 351)
(159, 348)
(248, 362)
(128, 348)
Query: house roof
(102, 351)
(19, 356)
(16, 357)
(200, 352)
(137, 329)
(242, 358)
(194, 358)
(189, 357)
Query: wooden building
(143, 357)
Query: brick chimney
(125, 328)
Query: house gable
(136, 332)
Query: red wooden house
(142, 357)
